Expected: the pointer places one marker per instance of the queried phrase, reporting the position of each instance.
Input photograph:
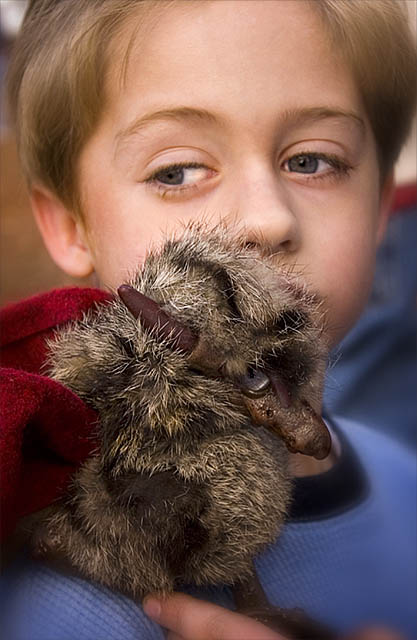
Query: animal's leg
(169, 508)
(251, 600)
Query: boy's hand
(190, 619)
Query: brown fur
(184, 488)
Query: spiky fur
(184, 487)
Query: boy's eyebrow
(306, 114)
(177, 113)
(294, 116)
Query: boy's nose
(266, 213)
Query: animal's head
(207, 334)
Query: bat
(205, 370)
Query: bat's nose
(299, 426)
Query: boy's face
(241, 112)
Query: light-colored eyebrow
(296, 116)
(177, 114)
(314, 114)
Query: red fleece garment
(46, 431)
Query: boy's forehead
(176, 29)
(193, 48)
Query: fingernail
(152, 608)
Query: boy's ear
(63, 235)
(385, 204)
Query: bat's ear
(63, 233)
(153, 317)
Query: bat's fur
(184, 488)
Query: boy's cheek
(346, 297)
(117, 253)
(342, 278)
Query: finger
(375, 633)
(174, 636)
(194, 619)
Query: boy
(283, 118)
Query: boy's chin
(301, 465)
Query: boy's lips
(270, 406)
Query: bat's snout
(299, 426)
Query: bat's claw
(293, 623)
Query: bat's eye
(255, 383)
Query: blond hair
(56, 78)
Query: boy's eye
(320, 164)
(171, 176)
(303, 164)
(179, 175)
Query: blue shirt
(347, 556)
